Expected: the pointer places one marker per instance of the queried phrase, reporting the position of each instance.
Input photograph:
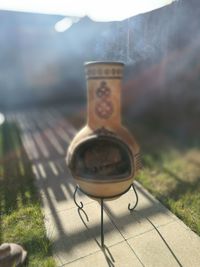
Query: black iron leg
(79, 206)
(102, 226)
(136, 202)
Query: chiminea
(103, 157)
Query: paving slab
(169, 245)
(56, 187)
(129, 224)
(184, 243)
(152, 251)
(120, 255)
(136, 222)
(73, 236)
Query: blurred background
(41, 63)
(43, 101)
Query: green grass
(172, 173)
(20, 213)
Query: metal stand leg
(136, 202)
(102, 226)
(79, 206)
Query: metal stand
(80, 205)
(102, 225)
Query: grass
(21, 219)
(172, 173)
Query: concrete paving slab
(157, 214)
(184, 243)
(172, 245)
(129, 224)
(51, 204)
(70, 238)
(151, 208)
(136, 222)
(56, 188)
(119, 255)
(152, 251)
(74, 237)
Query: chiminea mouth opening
(102, 159)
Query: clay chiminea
(103, 157)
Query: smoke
(163, 85)
(44, 63)
(138, 38)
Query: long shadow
(167, 245)
(107, 254)
(46, 136)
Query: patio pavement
(149, 236)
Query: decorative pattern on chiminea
(104, 157)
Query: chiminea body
(103, 157)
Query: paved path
(149, 236)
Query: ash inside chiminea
(103, 158)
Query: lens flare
(63, 25)
(2, 118)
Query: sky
(104, 10)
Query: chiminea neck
(104, 94)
